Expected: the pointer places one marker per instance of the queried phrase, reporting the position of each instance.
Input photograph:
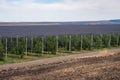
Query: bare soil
(92, 68)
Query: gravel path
(58, 59)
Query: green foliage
(2, 56)
(97, 41)
(76, 42)
(8, 44)
(118, 39)
(13, 46)
(64, 42)
(87, 42)
(37, 45)
(18, 45)
(29, 44)
(106, 40)
(21, 47)
(51, 44)
(114, 40)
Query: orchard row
(56, 44)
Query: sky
(58, 10)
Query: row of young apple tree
(56, 44)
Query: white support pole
(42, 44)
(109, 43)
(66, 41)
(17, 44)
(6, 50)
(11, 39)
(57, 44)
(31, 44)
(91, 40)
(118, 39)
(101, 40)
(81, 42)
(70, 43)
(0, 38)
(26, 46)
(11, 43)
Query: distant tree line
(56, 44)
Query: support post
(101, 40)
(56, 44)
(0, 38)
(26, 46)
(70, 43)
(66, 42)
(17, 44)
(31, 44)
(11, 43)
(91, 40)
(6, 50)
(81, 42)
(109, 43)
(118, 39)
(11, 39)
(42, 44)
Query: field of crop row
(39, 45)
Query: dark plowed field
(97, 68)
(37, 30)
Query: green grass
(13, 58)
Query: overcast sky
(58, 10)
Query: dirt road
(106, 67)
(59, 59)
